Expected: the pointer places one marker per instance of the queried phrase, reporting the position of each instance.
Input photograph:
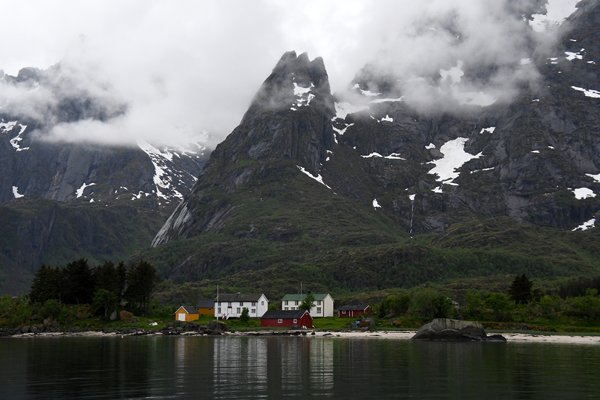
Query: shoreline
(387, 335)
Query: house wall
(323, 309)
(182, 315)
(234, 309)
(328, 306)
(351, 313)
(355, 313)
(291, 305)
(206, 311)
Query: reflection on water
(292, 367)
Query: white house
(322, 306)
(229, 305)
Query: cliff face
(61, 200)
(535, 160)
(287, 126)
(310, 179)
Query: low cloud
(175, 73)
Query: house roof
(229, 297)
(285, 314)
(300, 297)
(189, 309)
(354, 307)
(206, 304)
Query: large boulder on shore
(454, 330)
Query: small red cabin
(354, 311)
(287, 318)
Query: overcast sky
(184, 67)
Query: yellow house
(206, 307)
(186, 313)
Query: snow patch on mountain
(372, 155)
(14, 142)
(392, 156)
(491, 129)
(588, 92)
(570, 56)
(79, 192)
(454, 157)
(317, 178)
(6, 127)
(586, 225)
(342, 131)
(303, 96)
(162, 180)
(583, 193)
(139, 195)
(594, 177)
(16, 193)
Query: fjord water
(292, 367)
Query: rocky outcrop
(36, 168)
(452, 330)
(287, 127)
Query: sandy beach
(390, 335)
(510, 337)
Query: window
(285, 308)
(262, 303)
(253, 304)
(295, 321)
(219, 310)
(319, 302)
(238, 310)
(279, 321)
(253, 311)
(296, 302)
(285, 302)
(318, 310)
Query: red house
(354, 311)
(287, 318)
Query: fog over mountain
(174, 75)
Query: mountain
(64, 200)
(374, 194)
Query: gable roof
(300, 297)
(229, 297)
(206, 304)
(354, 307)
(189, 309)
(285, 314)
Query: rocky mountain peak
(287, 129)
(296, 81)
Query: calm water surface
(293, 367)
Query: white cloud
(186, 67)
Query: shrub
(428, 303)
(51, 309)
(587, 306)
(394, 305)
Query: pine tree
(46, 285)
(520, 289)
(141, 280)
